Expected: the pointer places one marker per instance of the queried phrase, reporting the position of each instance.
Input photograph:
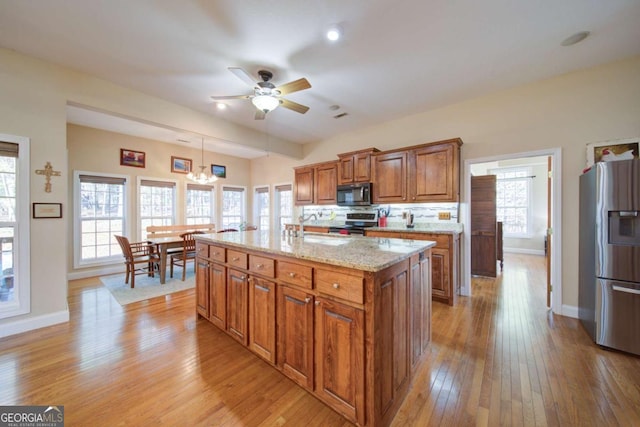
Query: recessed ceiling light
(575, 38)
(334, 107)
(334, 32)
(221, 106)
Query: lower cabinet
(202, 292)
(262, 318)
(339, 356)
(237, 305)
(295, 332)
(218, 295)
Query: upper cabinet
(355, 166)
(316, 184)
(424, 173)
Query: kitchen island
(347, 318)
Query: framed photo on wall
(180, 165)
(219, 171)
(132, 158)
(47, 210)
(613, 150)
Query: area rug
(147, 287)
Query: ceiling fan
(266, 96)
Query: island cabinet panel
(389, 171)
(340, 285)
(202, 292)
(218, 295)
(218, 254)
(295, 335)
(237, 259)
(295, 274)
(340, 358)
(262, 318)
(261, 265)
(237, 304)
(420, 308)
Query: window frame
(527, 170)
(212, 189)
(22, 262)
(243, 215)
(257, 190)
(142, 232)
(77, 220)
(277, 204)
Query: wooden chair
(251, 228)
(187, 254)
(139, 258)
(227, 230)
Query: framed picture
(132, 158)
(47, 210)
(219, 171)
(180, 165)
(613, 150)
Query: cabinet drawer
(295, 274)
(202, 250)
(442, 240)
(217, 253)
(340, 285)
(261, 265)
(237, 259)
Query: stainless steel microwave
(354, 194)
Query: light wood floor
(498, 358)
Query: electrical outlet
(444, 215)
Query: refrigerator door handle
(628, 213)
(627, 290)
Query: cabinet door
(440, 280)
(362, 167)
(218, 295)
(340, 357)
(295, 335)
(390, 177)
(237, 304)
(202, 287)
(345, 170)
(420, 308)
(433, 174)
(262, 318)
(303, 186)
(326, 182)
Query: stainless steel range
(356, 223)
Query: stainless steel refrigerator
(609, 298)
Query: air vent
(339, 116)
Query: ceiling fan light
(334, 32)
(265, 103)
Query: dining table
(163, 244)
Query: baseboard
(93, 272)
(35, 322)
(570, 311)
(524, 251)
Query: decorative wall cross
(48, 172)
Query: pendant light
(203, 177)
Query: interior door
(483, 226)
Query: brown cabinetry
(218, 295)
(355, 166)
(316, 184)
(262, 318)
(202, 292)
(444, 261)
(237, 305)
(423, 173)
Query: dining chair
(187, 254)
(139, 258)
(227, 230)
(251, 228)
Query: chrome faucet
(302, 219)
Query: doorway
(536, 245)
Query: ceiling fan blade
(231, 97)
(298, 108)
(294, 86)
(260, 115)
(243, 75)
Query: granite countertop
(361, 253)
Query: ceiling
(396, 58)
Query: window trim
(277, 188)
(77, 247)
(528, 170)
(22, 273)
(240, 189)
(256, 211)
(214, 201)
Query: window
(99, 217)
(14, 226)
(156, 204)
(283, 205)
(200, 204)
(232, 207)
(261, 206)
(513, 198)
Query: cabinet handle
(336, 285)
(235, 259)
(307, 300)
(216, 253)
(259, 266)
(317, 302)
(292, 274)
(242, 277)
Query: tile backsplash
(422, 212)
